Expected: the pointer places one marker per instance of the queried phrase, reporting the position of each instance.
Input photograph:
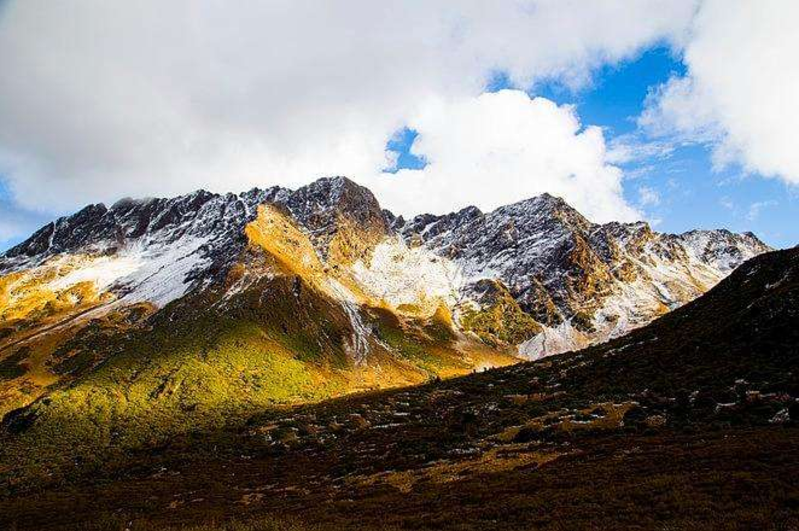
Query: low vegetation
(500, 322)
(191, 369)
(689, 423)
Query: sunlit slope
(274, 333)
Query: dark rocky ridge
(218, 218)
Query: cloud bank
(101, 100)
(740, 93)
(499, 148)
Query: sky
(681, 113)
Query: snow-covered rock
(582, 282)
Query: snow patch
(359, 344)
(401, 276)
(162, 275)
(138, 273)
(102, 272)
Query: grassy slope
(193, 369)
(35, 320)
(130, 381)
(501, 321)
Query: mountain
(579, 281)
(690, 422)
(264, 279)
(328, 287)
(582, 282)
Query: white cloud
(727, 203)
(648, 196)
(499, 148)
(740, 93)
(757, 207)
(104, 99)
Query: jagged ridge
(581, 282)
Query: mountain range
(323, 280)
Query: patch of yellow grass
(275, 233)
(612, 419)
(496, 460)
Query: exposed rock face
(584, 282)
(499, 320)
(545, 278)
(211, 225)
(324, 204)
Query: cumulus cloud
(648, 196)
(498, 148)
(757, 207)
(101, 99)
(740, 92)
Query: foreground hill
(687, 423)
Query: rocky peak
(345, 220)
(546, 208)
(722, 248)
(614, 240)
(96, 229)
(64, 234)
(318, 205)
(593, 279)
(427, 226)
(580, 281)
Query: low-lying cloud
(499, 148)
